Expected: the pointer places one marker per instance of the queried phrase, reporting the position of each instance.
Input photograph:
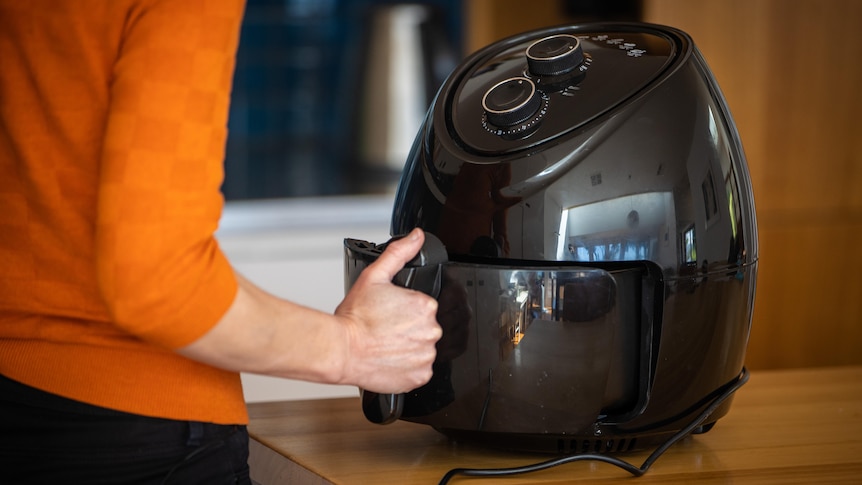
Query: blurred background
(328, 95)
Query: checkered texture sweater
(113, 120)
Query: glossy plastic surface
(608, 76)
(635, 169)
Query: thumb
(398, 253)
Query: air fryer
(591, 241)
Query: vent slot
(596, 446)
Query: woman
(123, 327)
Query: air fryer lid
(560, 81)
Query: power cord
(634, 470)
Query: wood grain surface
(785, 426)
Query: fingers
(397, 254)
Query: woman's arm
(160, 271)
(381, 338)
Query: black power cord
(634, 470)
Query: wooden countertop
(789, 426)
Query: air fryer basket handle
(422, 273)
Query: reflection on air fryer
(474, 217)
(501, 361)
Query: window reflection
(630, 228)
(689, 246)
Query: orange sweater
(113, 120)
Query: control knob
(555, 55)
(512, 101)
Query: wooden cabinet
(791, 72)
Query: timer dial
(555, 55)
(511, 101)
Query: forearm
(264, 334)
(381, 337)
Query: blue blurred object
(295, 101)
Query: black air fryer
(591, 242)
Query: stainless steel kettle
(406, 58)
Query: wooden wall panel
(792, 74)
(492, 20)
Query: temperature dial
(511, 102)
(555, 55)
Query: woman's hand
(392, 330)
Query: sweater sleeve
(160, 269)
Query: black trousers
(47, 439)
